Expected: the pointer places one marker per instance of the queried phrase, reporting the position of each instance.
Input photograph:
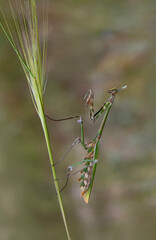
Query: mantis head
(116, 90)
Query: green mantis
(90, 160)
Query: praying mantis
(90, 160)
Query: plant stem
(108, 107)
(32, 62)
(46, 134)
(104, 119)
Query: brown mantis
(92, 147)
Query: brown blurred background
(91, 45)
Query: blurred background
(91, 45)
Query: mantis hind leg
(70, 168)
(77, 141)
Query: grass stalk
(33, 62)
(46, 134)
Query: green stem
(104, 119)
(46, 134)
(108, 107)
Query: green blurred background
(91, 45)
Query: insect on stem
(90, 160)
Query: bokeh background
(91, 45)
